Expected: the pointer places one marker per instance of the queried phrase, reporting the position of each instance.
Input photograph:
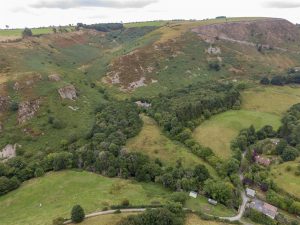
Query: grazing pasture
(154, 143)
(284, 176)
(59, 192)
(273, 99)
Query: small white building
(193, 194)
(250, 193)
(213, 202)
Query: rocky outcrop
(27, 110)
(68, 92)
(9, 151)
(54, 77)
(4, 103)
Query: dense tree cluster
(290, 129)
(171, 214)
(180, 111)
(220, 191)
(250, 136)
(292, 77)
(258, 217)
(283, 202)
(104, 27)
(192, 102)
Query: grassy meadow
(18, 32)
(193, 219)
(287, 180)
(154, 143)
(273, 99)
(59, 192)
(145, 24)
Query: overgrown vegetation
(104, 27)
(171, 214)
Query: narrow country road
(241, 209)
(244, 198)
(109, 212)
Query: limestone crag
(68, 92)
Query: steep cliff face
(273, 32)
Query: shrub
(7, 185)
(39, 172)
(278, 80)
(27, 32)
(215, 66)
(288, 168)
(265, 81)
(180, 197)
(58, 221)
(14, 106)
(289, 154)
(125, 202)
(58, 124)
(77, 214)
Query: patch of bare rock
(68, 92)
(9, 151)
(54, 77)
(27, 110)
(4, 103)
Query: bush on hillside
(77, 214)
(265, 81)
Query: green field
(273, 99)
(18, 32)
(35, 31)
(218, 131)
(145, 24)
(287, 180)
(201, 204)
(58, 192)
(152, 142)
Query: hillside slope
(50, 85)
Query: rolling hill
(56, 89)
